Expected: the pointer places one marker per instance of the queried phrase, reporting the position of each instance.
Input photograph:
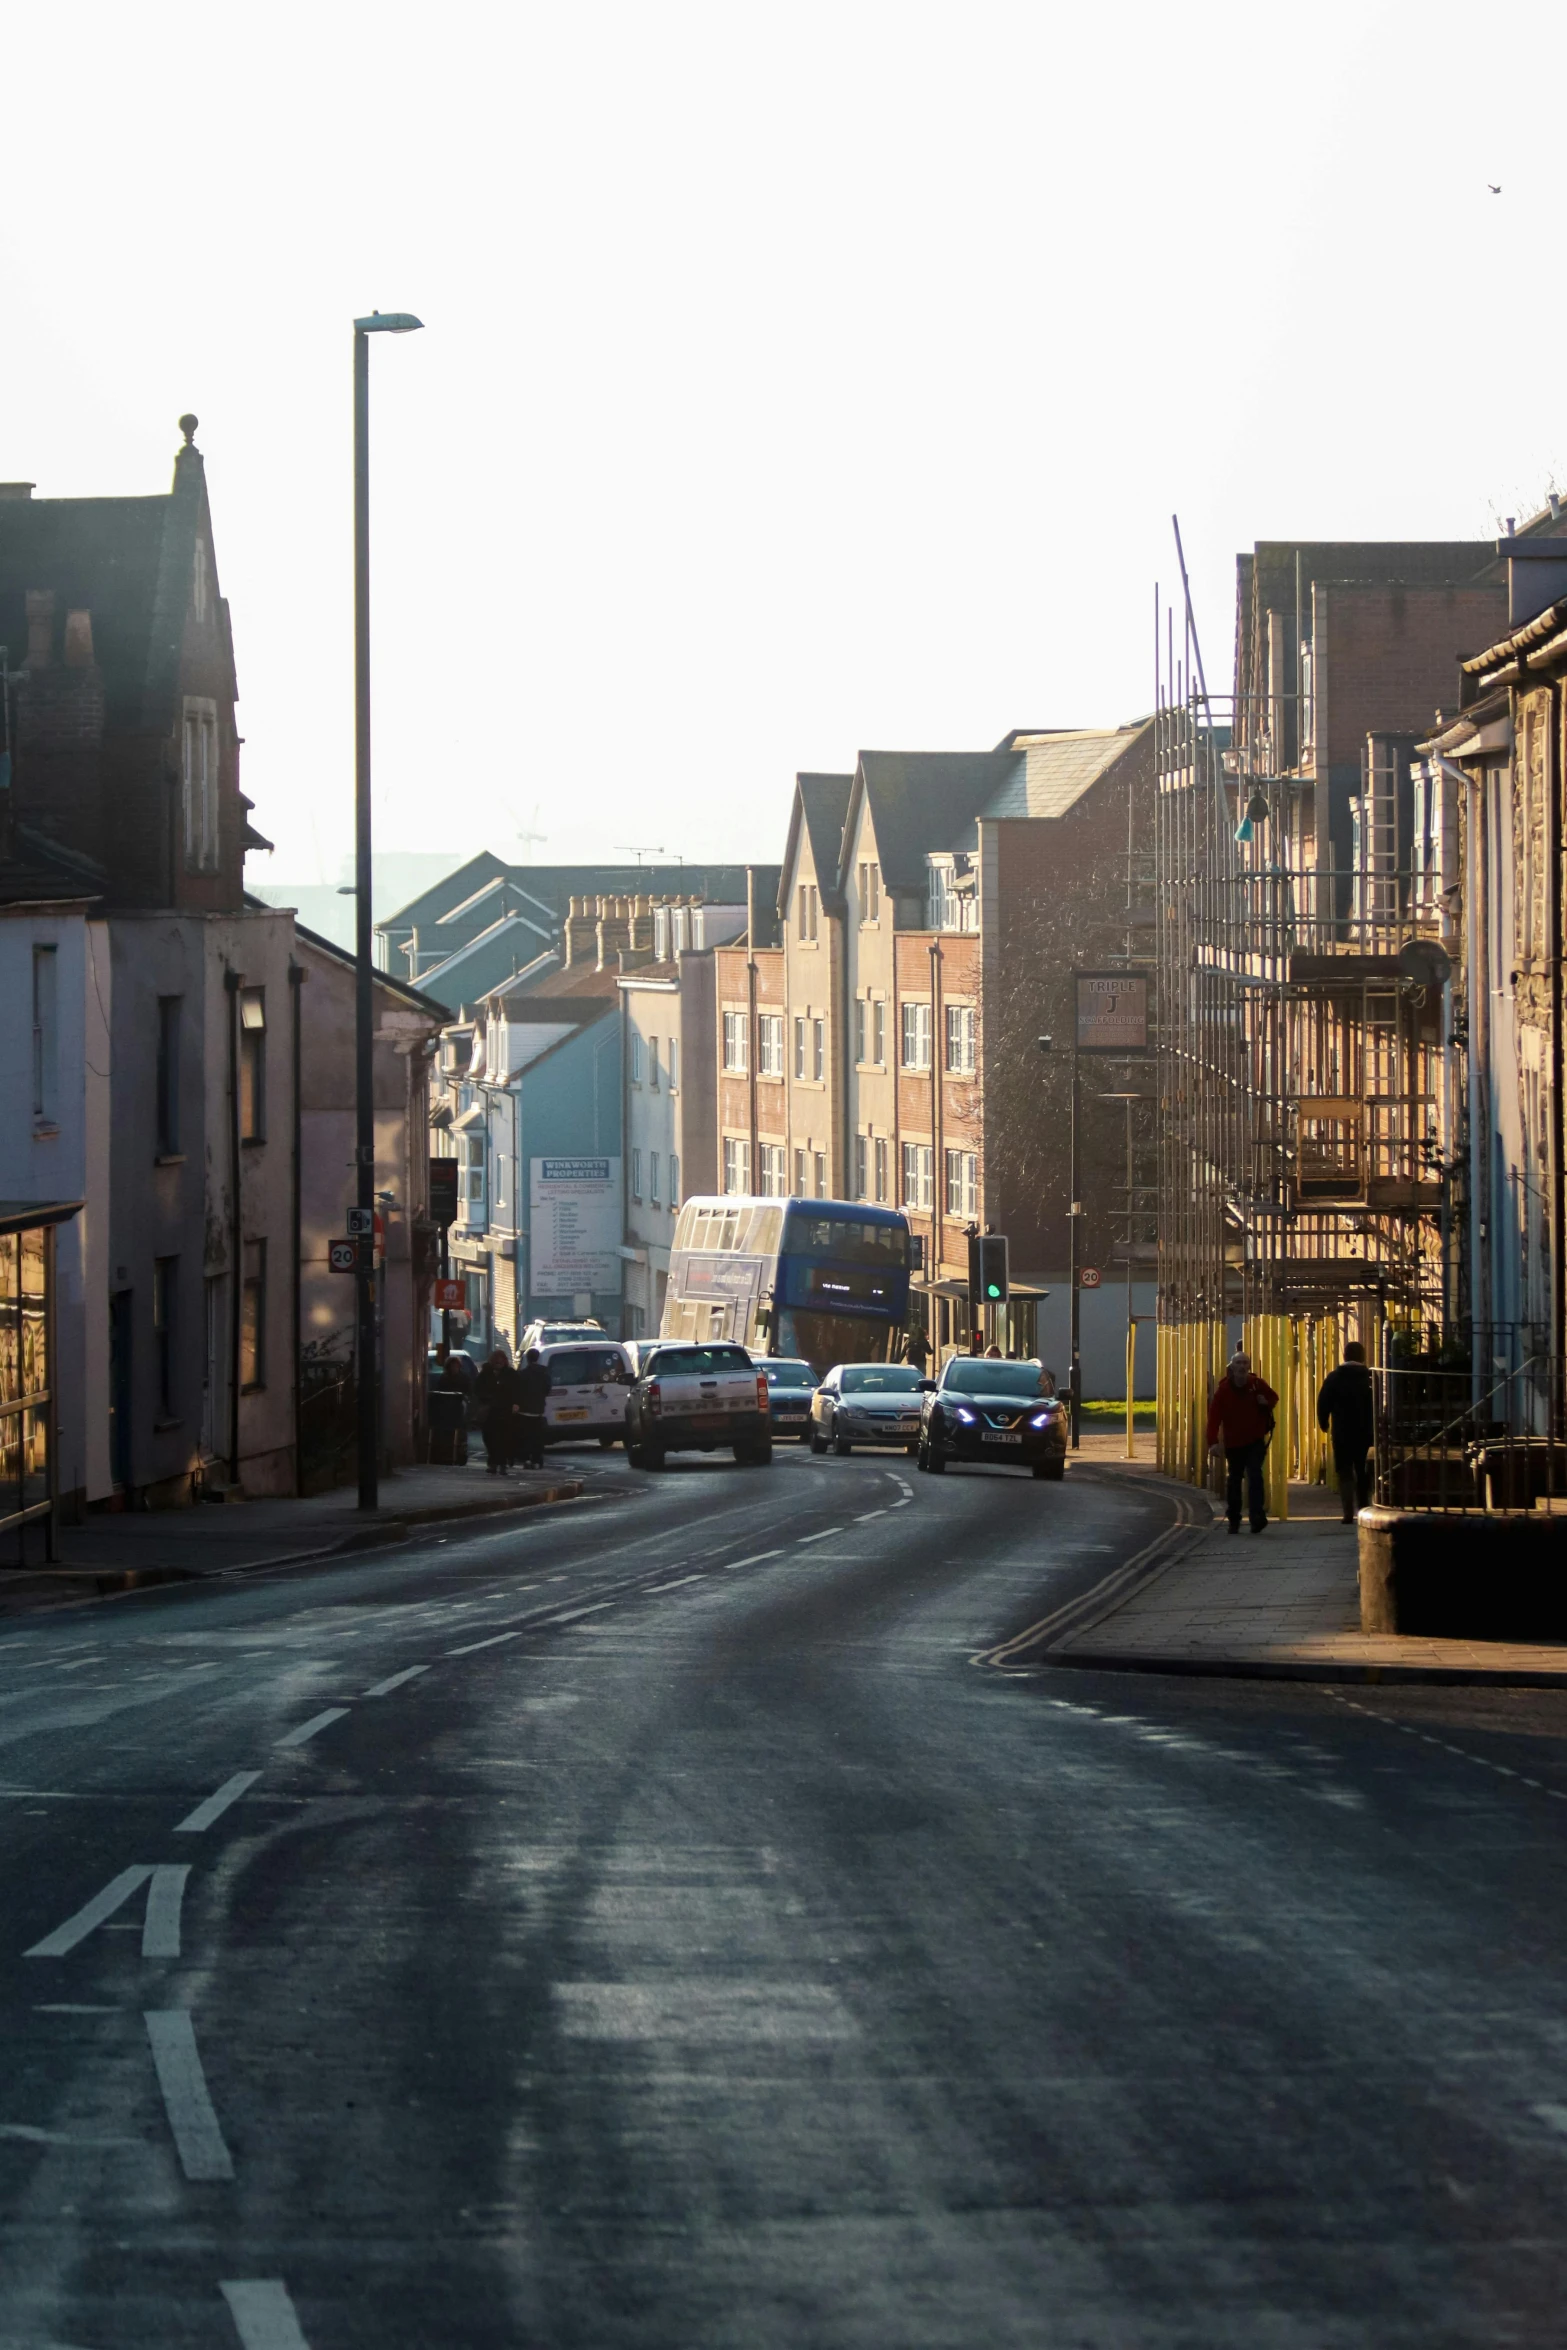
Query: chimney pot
(78, 640)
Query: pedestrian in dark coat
(1241, 1412)
(1345, 1408)
(497, 1398)
(533, 1387)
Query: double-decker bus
(825, 1279)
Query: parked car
(587, 1391)
(694, 1398)
(866, 1403)
(984, 1410)
(791, 1384)
(543, 1334)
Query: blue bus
(825, 1279)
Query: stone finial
(188, 426)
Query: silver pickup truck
(694, 1398)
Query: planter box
(1456, 1577)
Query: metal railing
(1478, 1427)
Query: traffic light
(994, 1286)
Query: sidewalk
(131, 1550)
(1283, 1604)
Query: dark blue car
(790, 1387)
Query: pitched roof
(1055, 770)
(36, 870)
(128, 562)
(924, 800)
(384, 980)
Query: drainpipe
(232, 981)
(296, 979)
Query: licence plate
(573, 1412)
(994, 1436)
(790, 1415)
(707, 1420)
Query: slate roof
(927, 800)
(128, 562)
(35, 870)
(1054, 770)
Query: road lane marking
(825, 1535)
(678, 1584)
(323, 1721)
(215, 1805)
(71, 2007)
(90, 1915)
(868, 1514)
(160, 1933)
(396, 1680)
(494, 1641)
(263, 2314)
(177, 2062)
(568, 1615)
(754, 1560)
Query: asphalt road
(644, 1924)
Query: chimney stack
(580, 931)
(13, 490)
(40, 627)
(78, 640)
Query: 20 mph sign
(1090, 1277)
(343, 1256)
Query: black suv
(984, 1410)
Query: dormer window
(953, 893)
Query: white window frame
(961, 1039)
(962, 1184)
(636, 1176)
(883, 1171)
(737, 1166)
(862, 1162)
(770, 1044)
(819, 1051)
(674, 1179)
(879, 1032)
(918, 1175)
(652, 1064)
(737, 1044)
(672, 1065)
(915, 1043)
(652, 1179)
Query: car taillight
(761, 1391)
(655, 1402)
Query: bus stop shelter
(28, 1475)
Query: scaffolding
(1303, 1081)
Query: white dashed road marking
(823, 1535)
(322, 1721)
(396, 1680)
(90, 1915)
(754, 1560)
(216, 1805)
(494, 1641)
(197, 2138)
(678, 1584)
(569, 1615)
(160, 1933)
(263, 2314)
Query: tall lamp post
(1074, 1211)
(389, 322)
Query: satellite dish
(1422, 960)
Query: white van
(589, 1378)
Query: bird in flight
(1495, 190)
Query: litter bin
(448, 1427)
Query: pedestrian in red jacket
(1241, 1413)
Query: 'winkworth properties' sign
(576, 1223)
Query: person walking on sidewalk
(1345, 1407)
(1241, 1413)
(533, 1386)
(497, 1398)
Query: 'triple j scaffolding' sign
(1112, 1011)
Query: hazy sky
(795, 378)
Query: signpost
(448, 1295)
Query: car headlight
(1041, 1419)
(961, 1412)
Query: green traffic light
(992, 1289)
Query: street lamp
(379, 322)
(1073, 1213)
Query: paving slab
(135, 1549)
(1281, 1604)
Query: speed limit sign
(1090, 1277)
(343, 1256)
